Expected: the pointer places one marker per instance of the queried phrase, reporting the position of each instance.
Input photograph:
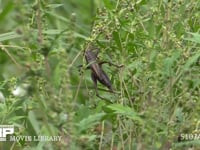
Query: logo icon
(5, 130)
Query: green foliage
(125, 111)
(157, 90)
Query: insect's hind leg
(110, 63)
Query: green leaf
(15, 118)
(52, 31)
(58, 74)
(6, 10)
(81, 36)
(55, 5)
(179, 114)
(108, 4)
(191, 61)
(57, 16)
(117, 39)
(90, 121)
(187, 142)
(169, 63)
(195, 37)
(125, 111)
(9, 36)
(43, 101)
(153, 60)
(33, 121)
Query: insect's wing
(94, 79)
(105, 80)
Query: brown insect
(97, 73)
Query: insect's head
(92, 51)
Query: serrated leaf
(169, 63)
(191, 61)
(195, 37)
(125, 111)
(179, 114)
(90, 121)
(187, 142)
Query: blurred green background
(157, 94)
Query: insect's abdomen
(105, 80)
